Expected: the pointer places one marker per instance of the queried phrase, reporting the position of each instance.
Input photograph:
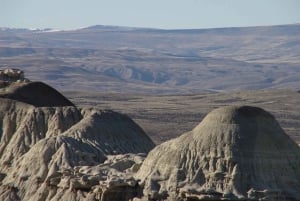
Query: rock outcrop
(12, 75)
(235, 153)
(59, 152)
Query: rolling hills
(155, 61)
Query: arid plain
(164, 117)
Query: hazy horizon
(121, 26)
(190, 14)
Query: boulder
(12, 75)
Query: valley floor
(167, 116)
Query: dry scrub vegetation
(167, 116)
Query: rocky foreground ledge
(52, 150)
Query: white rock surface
(234, 153)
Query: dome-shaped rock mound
(235, 153)
(43, 149)
(35, 93)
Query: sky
(165, 14)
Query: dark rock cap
(37, 94)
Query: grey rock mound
(41, 146)
(235, 153)
(112, 132)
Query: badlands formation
(61, 152)
(235, 153)
(51, 150)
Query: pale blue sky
(168, 14)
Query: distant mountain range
(144, 60)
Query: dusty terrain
(167, 116)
